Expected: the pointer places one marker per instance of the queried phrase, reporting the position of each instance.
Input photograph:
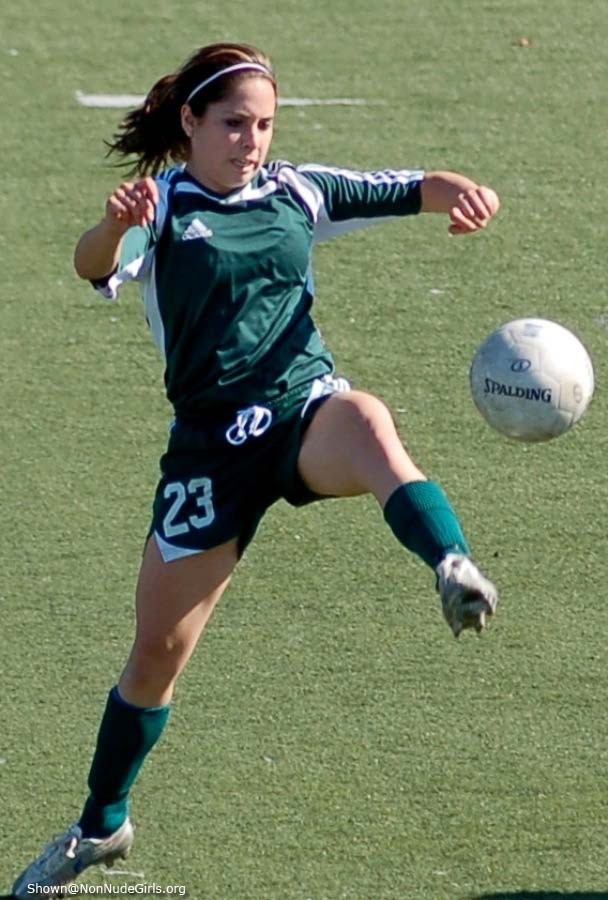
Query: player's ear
(188, 120)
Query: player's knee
(159, 657)
(371, 419)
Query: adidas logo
(196, 229)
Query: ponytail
(153, 132)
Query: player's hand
(473, 210)
(133, 203)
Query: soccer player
(221, 242)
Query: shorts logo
(250, 422)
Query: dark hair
(153, 132)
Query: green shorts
(218, 478)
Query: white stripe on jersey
(152, 310)
(384, 176)
(164, 186)
(306, 190)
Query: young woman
(221, 245)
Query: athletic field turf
(330, 739)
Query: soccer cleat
(468, 598)
(65, 857)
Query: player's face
(230, 141)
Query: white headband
(244, 65)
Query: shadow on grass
(544, 895)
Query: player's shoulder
(289, 177)
(169, 180)
(283, 170)
(275, 166)
(166, 181)
(170, 176)
(311, 175)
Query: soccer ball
(531, 379)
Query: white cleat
(65, 857)
(468, 598)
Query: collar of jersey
(260, 186)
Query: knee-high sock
(423, 520)
(126, 735)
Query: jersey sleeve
(137, 250)
(133, 263)
(347, 199)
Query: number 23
(201, 489)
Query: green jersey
(226, 279)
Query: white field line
(126, 101)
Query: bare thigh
(352, 447)
(174, 602)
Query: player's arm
(97, 253)
(342, 200)
(469, 205)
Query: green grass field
(330, 740)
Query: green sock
(126, 735)
(423, 520)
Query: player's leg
(174, 602)
(352, 447)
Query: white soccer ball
(531, 379)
